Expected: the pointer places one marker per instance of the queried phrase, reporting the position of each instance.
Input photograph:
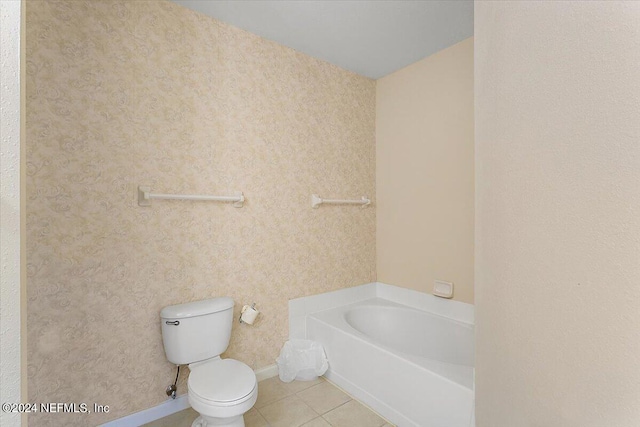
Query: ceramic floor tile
(288, 412)
(323, 397)
(179, 419)
(253, 418)
(353, 414)
(297, 386)
(318, 422)
(282, 407)
(271, 390)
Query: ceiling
(370, 37)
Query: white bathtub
(413, 367)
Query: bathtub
(413, 367)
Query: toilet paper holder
(245, 308)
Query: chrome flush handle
(174, 323)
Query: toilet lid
(222, 380)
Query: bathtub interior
(415, 332)
(443, 346)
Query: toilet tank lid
(196, 308)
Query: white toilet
(196, 333)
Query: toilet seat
(222, 382)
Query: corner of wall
(425, 173)
(11, 216)
(23, 211)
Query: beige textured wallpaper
(425, 184)
(121, 94)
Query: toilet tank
(197, 330)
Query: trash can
(301, 360)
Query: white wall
(10, 391)
(557, 94)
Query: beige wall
(558, 230)
(424, 173)
(127, 93)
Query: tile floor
(300, 403)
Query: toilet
(196, 334)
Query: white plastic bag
(302, 360)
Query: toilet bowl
(196, 334)
(221, 391)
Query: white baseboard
(267, 372)
(162, 410)
(175, 405)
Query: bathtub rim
(302, 306)
(466, 380)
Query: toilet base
(204, 421)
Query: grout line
(296, 395)
(277, 400)
(353, 398)
(340, 405)
(320, 415)
(292, 394)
